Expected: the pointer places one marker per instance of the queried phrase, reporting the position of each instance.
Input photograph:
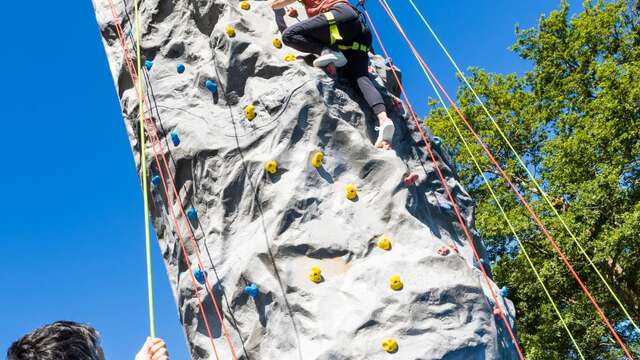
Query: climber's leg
(358, 73)
(310, 35)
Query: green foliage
(575, 119)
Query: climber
(336, 33)
(67, 340)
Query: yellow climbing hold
(290, 57)
(250, 112)
(389, 345)
(396, 283)
(384, 243)
(315, 275)
(231, 32)
(271, 167)
(351, 192)
(316, 159)
(277, 43)
(244, 5)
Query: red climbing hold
(496, 311)
(443, 251)
(410, 179)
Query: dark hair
(62, 340)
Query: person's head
(62, 340)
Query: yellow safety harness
(334, 35)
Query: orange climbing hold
(250, 112)
(390, 345)
(290, 57)
(231, 32)
(396, 283)
(351, 192)
(277, 43)
(316, 159)
(315, 275)
(244, 5)
(271, 167)
(384, 243)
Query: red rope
(446, 188)
(385, 6)
(156, 141)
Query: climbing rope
(143, 165)
(427, 145)
(133, 73)
(493, 194)
(524, 166)
(430, 74)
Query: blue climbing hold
(504, 291)
(192, 214)
(175, 139)
(212, 86)
(180, 68)
(200, 275)
(148, 64)
(251, 290)
(155, 180)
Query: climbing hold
(315, 275)
(390, 345)
(292, 12)
(231, 32)
(351, 192)
(250, 112)
(443, 251)
(192, 214)
(396, 283)
(384, 243)
(211, 85)
(316, 159)
(277, 43)
(200, 275)
(180, 68)
(271, 167)
(175, 139)
(454, 247)
(148, 64)
(251, 290)
(410, 179)
(244, 5)
(496, 311)
(155, 180)
(504, 291)
(290, 57)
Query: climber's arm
(279, 4)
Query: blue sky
(71, 235)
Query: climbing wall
(286, 234)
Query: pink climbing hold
(454, 247)
(410, 179)
(443, 251)
(331, 69)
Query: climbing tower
(286, 234)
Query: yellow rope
(495, 198)
(524, 166)
(143, 165)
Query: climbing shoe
(329, 56)
(385, 133)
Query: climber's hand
(153, 349)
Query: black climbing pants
(312, 35)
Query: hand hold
(396, 283)
(244, 5)
(351, 192)
(277, 43)
(316, 159)
(250, 112)
(252, 290)
(271, 167)
(390, 345)
(384, 243)
(315, 275)
(231, 32)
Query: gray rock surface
(270, 230)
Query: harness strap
(334, 32)
(356, 46)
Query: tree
(575, 120)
